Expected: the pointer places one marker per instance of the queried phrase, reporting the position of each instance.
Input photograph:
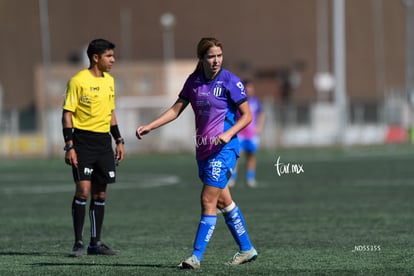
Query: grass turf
(349, 212)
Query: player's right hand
(142, 130)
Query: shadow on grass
(43, 264)
(14, 253)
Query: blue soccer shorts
(216, 170)
(250, 145)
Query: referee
(87, 119)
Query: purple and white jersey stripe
(214, 103)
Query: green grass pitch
(326, 211)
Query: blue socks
(237, 227)
(235, 223)
(204, 232)
(250, 175)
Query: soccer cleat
(77, 249)
(252, 183)
(243, 257)
(100, 249)
(190, 263)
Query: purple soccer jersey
(255, 108)
(214, 103)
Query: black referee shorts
(96, 161)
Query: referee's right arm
(70, 156)
(67, 126)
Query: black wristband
(67, 134)
(68, 147)
(115, 132)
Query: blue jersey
(214, 103)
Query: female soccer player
(215, 95)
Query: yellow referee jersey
(91, 100)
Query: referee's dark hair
(98, 47)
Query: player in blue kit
(249, 137)
(216, 95)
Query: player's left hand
(141, 131)
(71, 158)
(119, 152)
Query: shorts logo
(111, 174)
(215, 169)
(87, 171)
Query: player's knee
(100, 196)
(82, 193)
(208, 203)
(223, 203)
(81, 196)
(206, 200)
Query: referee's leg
(97, 211)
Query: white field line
(143, 182)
